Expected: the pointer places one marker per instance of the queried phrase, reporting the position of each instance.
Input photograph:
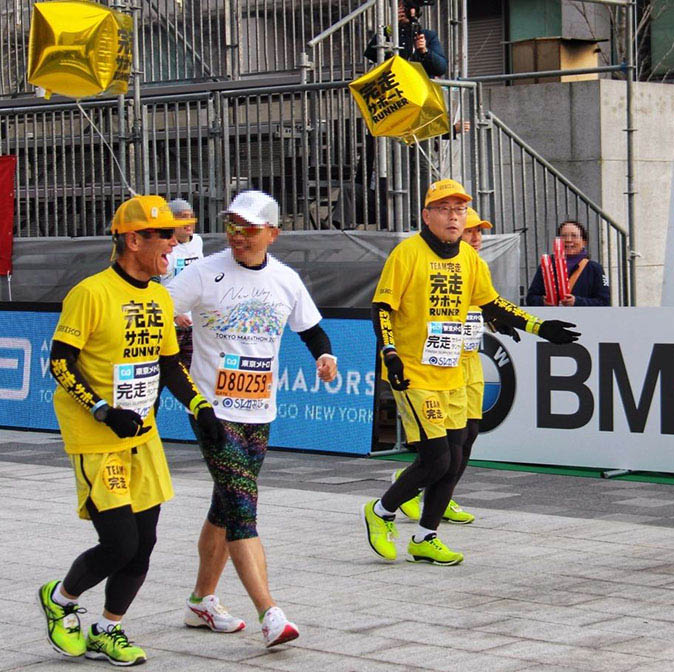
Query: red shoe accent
(289, 633)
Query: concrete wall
(579, 128)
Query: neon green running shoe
(380, 532)
(455, 514)
(113, 644)
(432, 550)
(63, 623)
(412, 507)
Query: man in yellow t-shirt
(114, 341)
(419, 309)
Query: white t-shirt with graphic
(238, 318)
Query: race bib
(243, 377)
(472, 331)
(135, 386)
(443, 344)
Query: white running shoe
(209, 613)
(276, 628)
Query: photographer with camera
(417, 44)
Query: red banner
(7, 174)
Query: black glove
(396, 377)
(505, 329)
(211, 428)
(556, 332)
(125, 423)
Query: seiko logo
(68, 330)
(219, 277)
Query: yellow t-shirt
(115, 326)
(430, 297)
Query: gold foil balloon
(397, 99)
(79, 49)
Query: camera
(416, 5)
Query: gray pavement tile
(488, 495)
(656, 666)
(21, 660)
(336, 480)
(500, 473)
(649, 647)
(540, 667)
(626, 517)
(636, 626)
(301, 660)
(232, 647)
(578, 636)
(341, 642)
(540, 612)
(446, 658)
(558, 654)
(460, 619)
(644, 502)
(442, 635)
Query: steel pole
(630, 11)
(464, 39)
(140, 178)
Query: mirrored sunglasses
(166, 234)
(247, 230)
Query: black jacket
(591, 288)
(433, 61)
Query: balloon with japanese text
(397, 99)
(79, 49)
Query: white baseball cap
(256, 208)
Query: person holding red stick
(588, 283)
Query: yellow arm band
(198, 401)
(533, 325)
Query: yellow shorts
(474, 378)
(428, 414)
(138, 477)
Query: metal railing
(308, 146)
(523, 193)
(305, 144)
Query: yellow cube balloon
(397, 99)
(79, 49)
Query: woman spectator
(588, 284)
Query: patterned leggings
(234, 466)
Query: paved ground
(561, 573)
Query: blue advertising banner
(312, 415)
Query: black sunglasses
(166, 234)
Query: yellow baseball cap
(143, 212)
(473, 220)
(445, 188)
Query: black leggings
(125, 543)
(437, 470)
(472, 430)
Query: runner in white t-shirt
(241, 300)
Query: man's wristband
(533, 325)
(198, 401)
(386, 348)
(97, 405)
(100, 410)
